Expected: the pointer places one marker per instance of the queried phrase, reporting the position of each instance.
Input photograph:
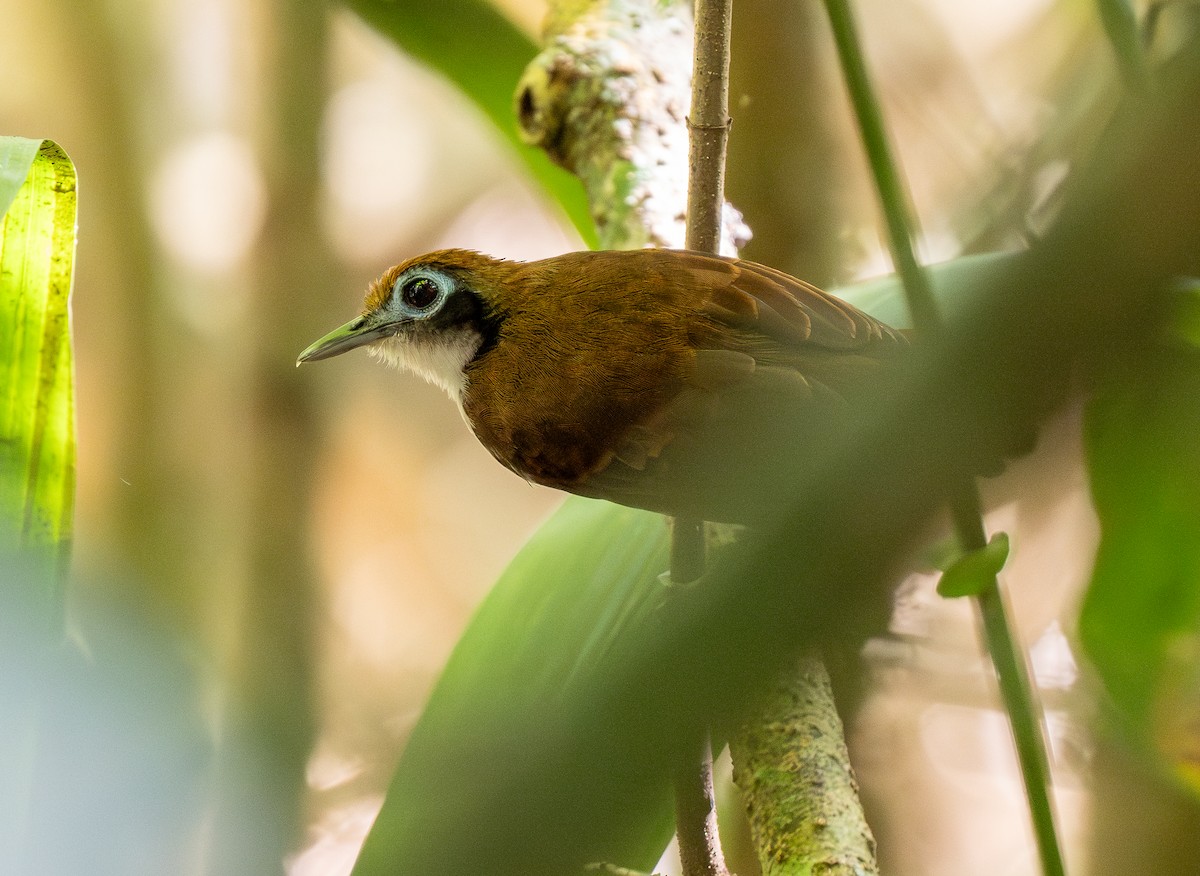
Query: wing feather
(751, 297)
(782, 358)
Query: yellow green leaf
(37, 425)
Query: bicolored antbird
(661, 379)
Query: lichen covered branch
(607, 98)
(793, 769)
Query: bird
(670, 380)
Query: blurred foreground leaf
(1141, 618)
(37, 426)
(477, 48)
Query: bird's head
(433, 315)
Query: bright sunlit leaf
(37, 453)
(37, 426)
(16, 158)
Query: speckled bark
(791, 764)
(608, 99)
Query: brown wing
(776, 358)
(781, 308)
(723, 455)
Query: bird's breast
(556, 405)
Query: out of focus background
(294, 552)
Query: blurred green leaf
(1140, 620)
(37, 426)
(1186, 323)
(538, 647)
(477, 48)
(1121, 25)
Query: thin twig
(708, 129)
(1009, 661)
(708, 125)
(696, 816)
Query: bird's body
(649, 377)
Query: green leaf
(956, 284)
(541, 645)
(473, 45)
(1140, 621)
(37, 448)
(974, 572)
(37, 426)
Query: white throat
(441, 360)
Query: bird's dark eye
(419, 293)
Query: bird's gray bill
(353, 334)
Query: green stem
(892, 189)
(1012, 674)
(1121, 25)
(1011, 669)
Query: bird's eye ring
(419, 293)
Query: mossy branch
(793, 769)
